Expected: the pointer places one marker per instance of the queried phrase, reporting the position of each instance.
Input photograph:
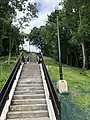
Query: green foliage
(10, 35)
(5, 69)
(77, 20)
(50, 61)
(74, 27)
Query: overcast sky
(45, 7)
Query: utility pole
(61, 84)
(59, 44)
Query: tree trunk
(84, 55)
(82, 43)
(67, 61)
(71, 60)
(9, 57)
(16, 47)
(76, 59)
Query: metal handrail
(4, 94)
(52, 92)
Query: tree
(9, 33)
(77, 20)
(74, 24)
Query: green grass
(78, 83)
(5, 69)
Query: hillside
(76, 105)
(5, 69)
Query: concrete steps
(29, 81)
(27, 92)
(33, 96)
(28, 88)
(28, 107)
(30, 85)
(29, 101)
(27, 114)
(41, 118)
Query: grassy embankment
(78, 83)
(5, 69)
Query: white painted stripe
(8, 102)
(49, 103)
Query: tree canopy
(10, 34)
(74, 26)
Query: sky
(45, 7)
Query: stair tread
(28, 105)
(30, 84)
(27, 114)
(30, 95)
(28, 101)
(29, 87)
(41, 118)
(29, 91)
(23, 112)
(31, 107)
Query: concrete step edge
(28, 85)
(28, 114)
(28, 101)
(28, 105)
(31, 95)
(25, 112)
(31, 107)
(39, 96)
(30, 91)
(41, 118)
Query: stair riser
(34, 78)
(28, 108)
(29, 92)
(28, 88)
(28, 82)
(27, 115)
(28, 72)
(41, 118)
(37, 75)
(25, 102)
(29, 68)
(29, 85)
(29, 97)
(31, 76)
